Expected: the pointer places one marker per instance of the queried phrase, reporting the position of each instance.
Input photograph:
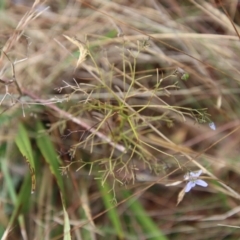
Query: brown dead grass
(196, 36)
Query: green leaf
(112, 213)
(21, 205)
(185, 76)
(151, 230)
(47, 149)
(23, 143)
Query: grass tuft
(114, 112)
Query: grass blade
(23, 143)
(148, 225)
(47, 149)
(112, 213)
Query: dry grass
(102, 77)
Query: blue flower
(193, 180)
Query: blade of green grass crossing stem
(47, 149)
(107, 197)
(151, 230)
(23, 143)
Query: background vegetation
(106, 106)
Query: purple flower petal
(196, 174)
(189, 186)
(212, 126)
(201, 183)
